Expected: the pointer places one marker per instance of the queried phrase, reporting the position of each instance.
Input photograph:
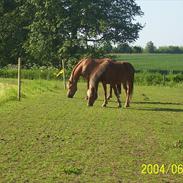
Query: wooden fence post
(19, 79)
(63, 67)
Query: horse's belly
(114, 80)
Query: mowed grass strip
(50, 138)
(167, 62)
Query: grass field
(167, 62)
(50, 138)
(8, 88)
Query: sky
(163, 21)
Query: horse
(85, 68)
(113, 73)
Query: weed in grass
(73, 170)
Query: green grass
(167, 62)
(7, 91)
(50, 138)
(8, 88)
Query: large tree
(13, 31)
(64, 28)
(54, 29)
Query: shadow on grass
(163, 103)
(159, 109)
(141, 109)
(113, 107)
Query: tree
(13, 33)
(69, 28)
(170, 49)
(137, 49)
(123, 48)
(150, 48)
(47, 31)
(107, 47)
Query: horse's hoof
(119, 106)
(127, 105)
(103, 105)
(89, 105)
(109, 97)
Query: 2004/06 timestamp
(154, 169)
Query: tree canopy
(150, 48)
(46, 31)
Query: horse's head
(72, 88)
(92, 95)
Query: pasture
(49, 138)
(154, 62)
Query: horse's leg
(105, 95)
(119, 88)
(125, 88)
(110, 93)
(127, 91)
(117, 95)
(87, 89)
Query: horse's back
(118, 72)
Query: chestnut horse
(113, 73)
(85, 68)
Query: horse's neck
(93, 81)
(77, 73)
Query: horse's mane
(97, 73)
(76, 66)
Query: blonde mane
(76, 66)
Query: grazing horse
(85, 68)
(113, 73)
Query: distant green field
(50, 138)
(165, 62)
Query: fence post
(63, 67)
(19, 79)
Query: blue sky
(163, 21)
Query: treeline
(149, 48)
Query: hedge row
(143, 77)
